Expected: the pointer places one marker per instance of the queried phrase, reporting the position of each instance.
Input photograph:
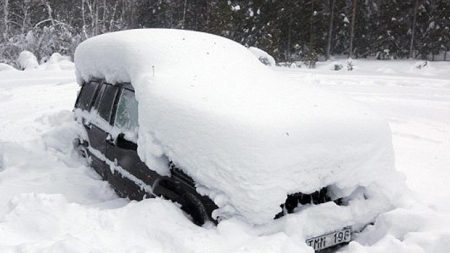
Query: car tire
(195, 208)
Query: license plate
(330, 239)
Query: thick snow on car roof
(245, 134)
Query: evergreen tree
(341, 37)
(438, 28)
(364, 28)
(424, 18)
(443, 14)
(393, 27)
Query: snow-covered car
(197, 119)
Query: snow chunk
(247, 135)
(27, 60)
(422, 65)
(236, 8)
(263, 56)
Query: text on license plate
(330, 239)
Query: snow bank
(263, 56)
(27, 60)
(6, 67)
(58, 62)
(49, 223)
(404, 230)
(246, 134)
(391, 68)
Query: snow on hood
(245, 134)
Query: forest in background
(290, 30)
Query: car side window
(126, 117)
(107, 101)
(87, 94)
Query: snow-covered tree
(393, 26)
(290, 30)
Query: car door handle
(110, 139)
(87, 125)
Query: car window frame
(98, 98)
(113, 105)
(93, 98)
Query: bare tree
(25, 17)
(113, 15)
(352, 29)
(90, 11)
(49, 11)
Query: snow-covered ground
(51, 202)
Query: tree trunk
(288, 49)
(83, 17)
(104, 18)
(184, 14)
(25, 17)
(312, 39)
(330, 29)
(5, 20)
(96, 8)
(352, 29)
(311, 28)
(413, 30)
(113, 15)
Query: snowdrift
(248, 136)
(27, 60)
(58, 62)
(6, 67)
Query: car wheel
(194, 207)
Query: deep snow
(51, 202)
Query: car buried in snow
(196, 118)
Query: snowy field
(51, 202)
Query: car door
(88, 97)
(99, 125)
(123, 149)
